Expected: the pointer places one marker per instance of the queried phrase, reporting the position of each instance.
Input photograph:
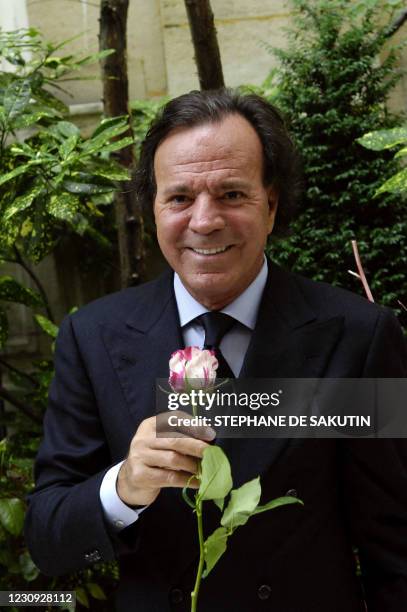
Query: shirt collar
(244, 308)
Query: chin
(210, 286)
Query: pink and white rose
(192, 368)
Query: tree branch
(17, 404)
(207, 54)
(129, 218)
(397, 23)
(37, 283)
(18, 372)
(361, 273)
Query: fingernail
(209, 433)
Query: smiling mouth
(214, 251)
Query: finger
(183, 445)
(170, 460)
(171, 478)
(182, 424)
(158, 478)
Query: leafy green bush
(53, 182)
(51, 179)
(380, 140)
(332, 89)
(143, 113)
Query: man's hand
(155, 462)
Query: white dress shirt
(233, 346)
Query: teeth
(210, 251)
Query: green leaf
(63, 206)
(220, 503)
(111, 170)
(103, 199)
(94, 147)
(12, 291)
(383, 139)
(214, 547)
(52, 103)
(12, 515)
(68, 607)
(28, 568)
(401, 153)
(85, 188)
(28, 119)
(22, 202)
(82, 596)
(118, 144)
(9, 232)
(38, 235)
(93, 233)
(68, 145)
(3, 327)
(109, 128)
(95, 590)
(66, 129)
(216, 477)
(81, 225)
(14, 173)
(17, 97)
(276, 503)
(46, 325)
(395, 184)
(242, 503)
(95, 57)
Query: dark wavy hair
(281, 166)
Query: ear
(272, 197)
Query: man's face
(213, 213)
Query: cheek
(170, 229)
(255, 227)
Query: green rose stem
(198, 510)
(216, 485)
(195, 592)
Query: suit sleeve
(375, 486)
(65, 527)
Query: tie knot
(216, 324)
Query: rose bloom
(192, 368)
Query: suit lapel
(140, 349)
(288, 324)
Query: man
(220, 172)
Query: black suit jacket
(293, 559)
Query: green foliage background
(332, 90)
(54, 184)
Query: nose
(206, 215)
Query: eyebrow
(174, 189)
(182, 188)
(233, 184)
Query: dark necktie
(216, 324)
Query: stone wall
(160, 52)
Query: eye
(233, 195)
(180, 199)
